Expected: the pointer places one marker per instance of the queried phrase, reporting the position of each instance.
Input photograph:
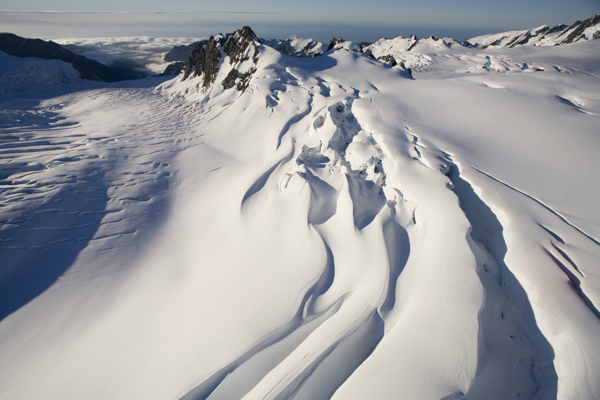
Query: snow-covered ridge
(542, 36)
(270, 227)
(88, 69)
(297, 47)
(433, 57)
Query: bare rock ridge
(541, 36)
(334, 42)
(576, 31)
(174, 68)
(208, 55)
(88, 69)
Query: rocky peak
(542, 36)
(577, 31)
(334, 42)
(207, 57)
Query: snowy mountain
(445, 56)
(272, 227)
(542, 36)
(88, 69)
(297, 47)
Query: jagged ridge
(208, 55)
(540, 36)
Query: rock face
(173, 68)
(577, 31)
(334, 42)
(388, 58)
(88, 69)
(208, 55)
(588, 29)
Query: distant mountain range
(384, 49)
(541, 36)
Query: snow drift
(269, 227)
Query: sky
(364, 20)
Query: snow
(296, 46)
(540, 36)
(19, 77)
(338, 230)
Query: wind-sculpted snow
(337, 229)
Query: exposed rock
(364, 44)
(240, 80)
(334, 42)
(88, 69)
(173, 68)
(369, 53)
(208, 55)
(542, 36)
(578, 27)
(557, 28)
(237, 43)
(389, 58)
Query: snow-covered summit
(297, 47)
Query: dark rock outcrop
(369, 53)
(334, 42)
(577, 29)
(88, 69)
(206, 58)
(389, 58)
(568, 34)
(173, 68)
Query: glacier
(271, 227)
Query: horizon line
(137, 12)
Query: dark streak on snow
(562, 218)
(574, 282)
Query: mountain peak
(207, 57)
(541, 36)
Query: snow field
(339, 230)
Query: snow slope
(21, 76)
(336, 229)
